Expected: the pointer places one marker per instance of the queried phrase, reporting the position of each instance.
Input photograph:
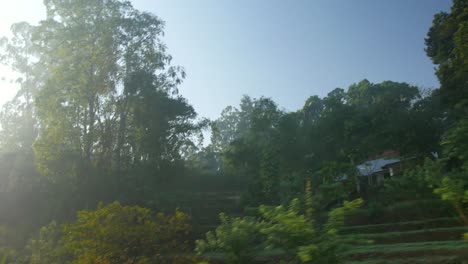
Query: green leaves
(239, 239)
(337, 216)
(98, 98)
(274, 151)
(115, 234)
(448, 176)
(285, 230)
(446, 46)
(455, 143)
(452, 190)
(46, 246)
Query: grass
(262, 254)
(404, 247)
(420, 250)
(461, 229)
(402, 226)
(418, 260)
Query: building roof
(374, 166)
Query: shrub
(285, 230)
(45, 247)
(115, 234)
(414, 184)
(238, 239)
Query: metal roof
(373, 166)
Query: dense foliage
(274, 152)
(290, 232)
(115, 234)
(98, 119)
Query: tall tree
(447, 46)
(103, 97)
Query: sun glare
(11, 12)
(8, 86)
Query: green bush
(453, 183)
(287, 228)
(238, 239)
(414, 184)
(46, 247)
(115, 234)
(288, 231)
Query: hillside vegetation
(102, 161)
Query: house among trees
(385, 165)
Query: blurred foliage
(46, 246)
(280, 229)
(452, 186)
(446, 45)
(239, 239)
(413, 184)
(115, 234)
(273, 152)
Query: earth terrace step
(420, 260)
(457, 248)
(436, 234)
(403, 226)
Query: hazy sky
(286, 50)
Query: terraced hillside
(437, 240)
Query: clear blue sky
(289, 50)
